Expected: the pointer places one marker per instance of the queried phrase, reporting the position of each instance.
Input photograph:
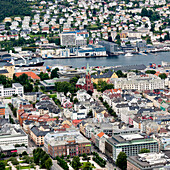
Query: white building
(13, 134)
(17, 88)
(141, 82)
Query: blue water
(109, 61)
(112, 61)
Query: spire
(87, 69)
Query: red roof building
(30, 74)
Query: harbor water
(112, 60)
(156, 58)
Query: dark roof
(8, 64)
(104, 75)
(132, 67)
(3, 71)
(37, 132)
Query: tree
(121, 161)
(148, 40)
(144, 150)
(150, 72)
(87, 166)
(144, 12)
(2, 165)
(43, 76)
(90, 114)
(24, 153)
(14, 154)
(48, 163)
(163, 76)
(76, 162)
(75, 101)
(54, 73)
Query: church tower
(89, 84)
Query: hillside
(13, 7)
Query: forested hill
(13, 7)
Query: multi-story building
(37, 134)
(66, 143)
(2, 109)
(12, 134)
(141, 82)
(111, 47)
(148, 161)
(131, 144)
(68, 39)
(17, 88)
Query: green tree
(76, 162)
(150, 72)
(144, 150)
(75, 101)
(87, 166)
(54, 73)
(163, 76)
(48, 163)
(121, 161)
(43, 76)
(148, 40)
(2, 165)
(144, 12)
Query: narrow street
(109, 164)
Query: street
(109, 166)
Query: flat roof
(7, 147)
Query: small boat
(128, 55)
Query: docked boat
(31, 64)
(128, 55)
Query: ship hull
(31, 65)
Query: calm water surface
(109, 61)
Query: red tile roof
(100, 134)
(30, 74)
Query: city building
(91, 50)
(37, 134)
(148, 161)
(7, 70)
(103, 76)
(68, 39)
(131, 144)
(139, 82)
(17, 88)
(2, 109)
(7, 150)
(85, 83)
(12, 134)
(30, 74)
(70, 142)
(111, 47)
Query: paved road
(55, 166)
(109, 166)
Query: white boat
(128, 55)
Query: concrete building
(70, 142)
(111, 47)
(37, 134)
(131, 144)
(12, 134)
(17, 88)
(7, 70)
(139, 82)
(68, 39)
(148, 161)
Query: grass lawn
(8, 168)
(52, 95)
(24, 167)
(84, 163)
(7, 97)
